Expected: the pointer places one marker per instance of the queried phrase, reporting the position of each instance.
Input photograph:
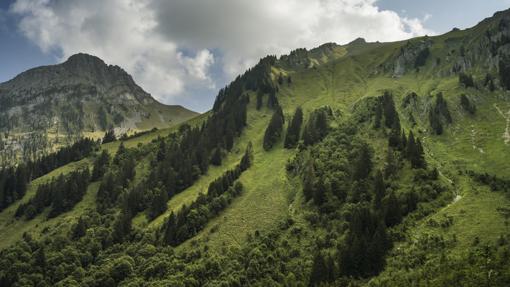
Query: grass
(264, 199)
(338, 80)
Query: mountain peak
(84, 58)
(358, 41)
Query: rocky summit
(55, 105)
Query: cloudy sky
(183, 51)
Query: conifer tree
(411, 146)
(393, 213)
(100, 165)
(379, 190)
(40, 259)
(309, 180)
(169, 236)
(391, 165)
(403, 141)
(159, 203)
(247, 157)
(121, 226)
(319, 270)
(378, 114)
(109, 136)
(260, 96)
(363, 164)
(294, 129)
(274, 129)
(79, 229)
(216, 157)
(418, 159)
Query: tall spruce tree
(294, 129)
(159, 203)
(274, 129)
(379, 190)
(363, 163)
(100, 165)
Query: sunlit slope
(342, 78)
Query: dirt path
(506, 134)
(473, 140)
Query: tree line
(193, 218)
(61, 194)
(14, 180)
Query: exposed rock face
(408, 56)
(54, 105)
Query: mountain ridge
(397, 175)
(82, 96)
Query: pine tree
(418, 159)
(319, 270)
(280, 79)
(415, 152)
(467, 105)
(274, 129)
(393, 213)
(80, 228)
(100, 165)
(378, 115)
(247, 157)
(309, 180)
(109, 136)
(121, 226)
(294, 129)
(160, 156)
(159, 203)
(319, 193)
(120, 154)
(394, 139)
(377, 248)
(170, 231)
(260, 96)
(403, 141)
(411, 146)
(40, 259)
(391, 119)
(216, 157)
(317, 127)
(363, 164)
(379, 190)
(272, 100)
(391, 165)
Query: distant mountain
(57, 104)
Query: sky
(184, 51)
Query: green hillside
(398, 176)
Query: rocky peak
(79, 70)
(357, 41)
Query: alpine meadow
(364, 164)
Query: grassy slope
(12, 230)
(340, 83)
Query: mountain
(54, 105)
(365, 164)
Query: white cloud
(198, 66)
(148, 37)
